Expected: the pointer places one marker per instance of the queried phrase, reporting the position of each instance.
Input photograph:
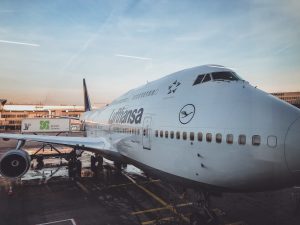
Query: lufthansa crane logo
(187, 113)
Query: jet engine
(14, 163)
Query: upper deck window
(225, 75)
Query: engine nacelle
(14, 163)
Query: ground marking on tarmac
(127, 184)
(237, 223)
(59, 221)
(156, 198)
(82, 187)
(155, 221)
(161, 208)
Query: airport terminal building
(11, 116)
(290, 97)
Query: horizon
(102, 104)
(46, 48)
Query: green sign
(44, 124)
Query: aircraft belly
(218, 167)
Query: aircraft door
(146, 133)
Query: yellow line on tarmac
(82, 187)
(156, 198)
(237, 223)
(155, 221)
(127, 184)
(160, 208)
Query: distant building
(2, 103)
(290, 97)
(11, 115)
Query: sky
(47, 47)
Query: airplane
(203, 127)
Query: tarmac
(49, 196)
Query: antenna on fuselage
(87, 102)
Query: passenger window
(192, 136)
(184, 136)
(172, 134)
(218, 138)
(229, 139)
(156, 133)
(166, 134)
(161, 133)
(145, 132)
(200, 136)
(242, 139)
(272, 141)
(138, 132)
(177, 135)
(256, 140)
(208, 137)
(206, 78)
(199, 79)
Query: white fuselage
(136, 124)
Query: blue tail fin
(87, 103)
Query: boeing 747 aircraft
(204, 126)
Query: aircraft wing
(81, 142)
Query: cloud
(19, 43)
(132, 57)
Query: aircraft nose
(292, 148)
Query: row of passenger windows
(128, 130)
(145, 94)
(256, 139)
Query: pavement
(111, 197)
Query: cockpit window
(216, 76)
(199, 79)
(225, 75)
(206, 78)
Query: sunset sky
(47, 47)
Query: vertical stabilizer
(87, 103)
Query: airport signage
(45, 125)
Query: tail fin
(87, 103)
